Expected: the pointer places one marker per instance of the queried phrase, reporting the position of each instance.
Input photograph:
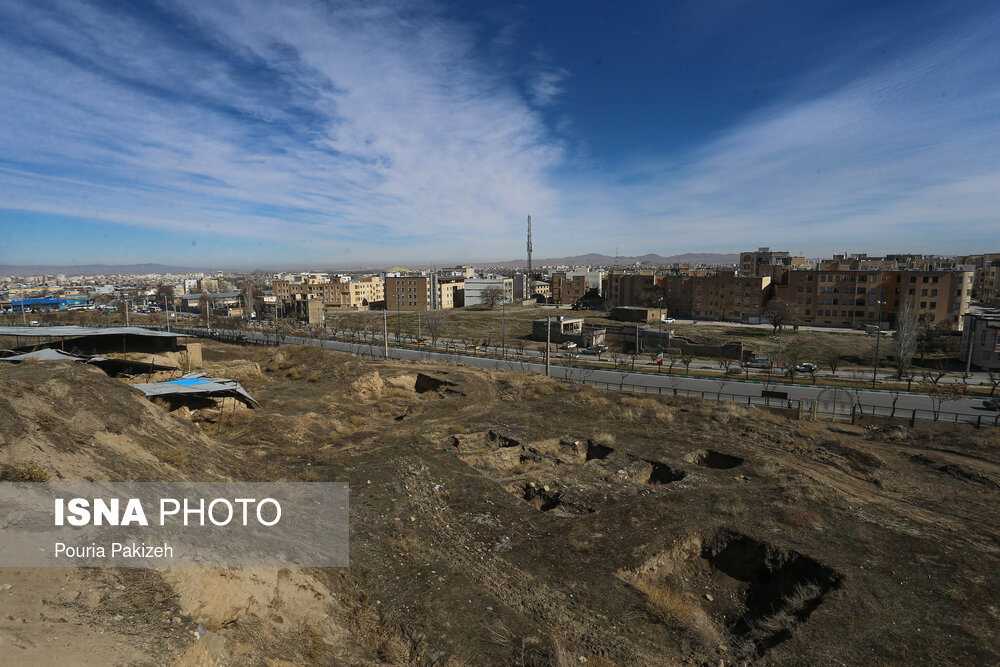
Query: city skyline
(335, 136)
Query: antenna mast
(531, 278)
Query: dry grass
(27, 471)
(171, 456)
(46, 422)
(679, 609)
(311, 639)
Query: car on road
(420, 341)
(33, 323)
(591, 351)
(760, 362)
(992, 404)
(569, 346)
(806, 367)
(667, 320)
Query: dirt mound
(78, 424)
(368, 387)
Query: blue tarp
(187, 382)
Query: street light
(659, 331)
(878, 332)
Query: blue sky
(318, 133)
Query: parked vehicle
(760, 362)
(569, 346)
(33, 323)
(992, 404)
(667, 320)
(806, 367)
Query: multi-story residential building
(568, 288)
(981, 340)
(761, 262)
(986, 282)
(337, 292)
(475, 287)
(623, 287)
(728, 296)
(422, 292)
(847, 295)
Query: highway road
(828, 399)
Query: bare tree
(993, 378)
(933, 377)
(673, 356)
(905, 342)
(832, 358)
(778, 313)
(725, 364)
(942, 393)
(793, 359)
(435, 322)
(491, 296)
(687, 364)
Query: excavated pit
(596, 452)
(502, 440)
(763, 592)
(664, 474)
(707, 458)
(546, 500)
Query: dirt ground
(501, 518)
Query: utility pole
(548, 342)
(878, 326)
(385, 331)
(636, 351)
(126, 313)
(531, 278)
(208, 311)
(503, 331)
(659, 333)
(166, 311)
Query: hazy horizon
(301, 134)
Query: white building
(474, 288)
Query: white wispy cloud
(294, 122)
(903, 156)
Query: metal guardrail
(845, 411)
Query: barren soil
(500, 518)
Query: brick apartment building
(844, 295)
(432, 292)
(842, 292)
(568, 289)
(763, 261)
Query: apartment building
(847, 295)
(762, 262)
(728, 296)
(568, 288)
(986, 281)
(624, 287)
(475, 287)
(413, 292)
(981, 333)
(334, 292)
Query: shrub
(28, 471)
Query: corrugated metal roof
(47, 354)
(194, 383)
(72, 331)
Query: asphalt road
(828, 399)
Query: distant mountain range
(91, 269)
(596, 259)
(591, 259)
